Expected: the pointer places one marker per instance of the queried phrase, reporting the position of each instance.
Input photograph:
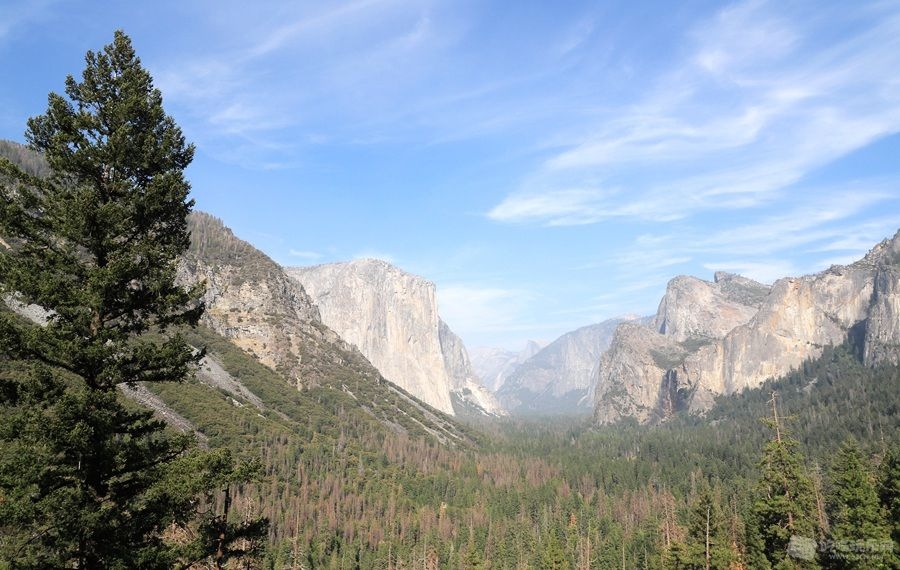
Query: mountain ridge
(793, 322)
(557, 379)
(255, 305)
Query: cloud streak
(489, 316)
(749, 112)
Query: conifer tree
(553, 555)
(785, 507)
(706, 545)
(859, 531)
(86, 479)
(889, 491)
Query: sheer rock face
(469, 394)
(559, 377)
(882, 331)
(391, 316)
(252, 302)
(629, 376)
(633, 378)
(799, 317)
(693, 308)
(495, 365)
(796, 319)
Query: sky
(548, 165)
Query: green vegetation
(341, 488)
(86, 481)
(857, 515)
(31, 162)
(694, 343)
(668, 359)
(218, 246)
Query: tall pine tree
(859, 533)
(706, 546)
(95, 245)
(784, 513)
(889, 491)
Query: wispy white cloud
(728, 42)
(828, 218)
(750, 111)
(316, 25)
(559, 207)
(292, 85)
(489, 315)
(820, 227)
(576, 36)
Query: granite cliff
(695, 309)
(392, 317)
(469, 395)
(724, 337)
(633, 378)
(252, 302)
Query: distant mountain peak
(558, 378)
(253, 303)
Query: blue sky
(547, 164)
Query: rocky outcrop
(558, 379)
(794, 321)
(469, 395)
(799, 317)
(495, 365)
(253, 303)
(881, 342)
(693, 308)
(630, 374)
(634, 379)
(392, 317)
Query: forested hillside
(342, 493)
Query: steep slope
(630, 375)
(798, 318)
(250, 301)
(28, 160)
(470, 397)
(494, 365)
(693, 308)
(794, 321)
(881, 342)
(392, 317)
(634, 378)
(558, 378)
(256, 306)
